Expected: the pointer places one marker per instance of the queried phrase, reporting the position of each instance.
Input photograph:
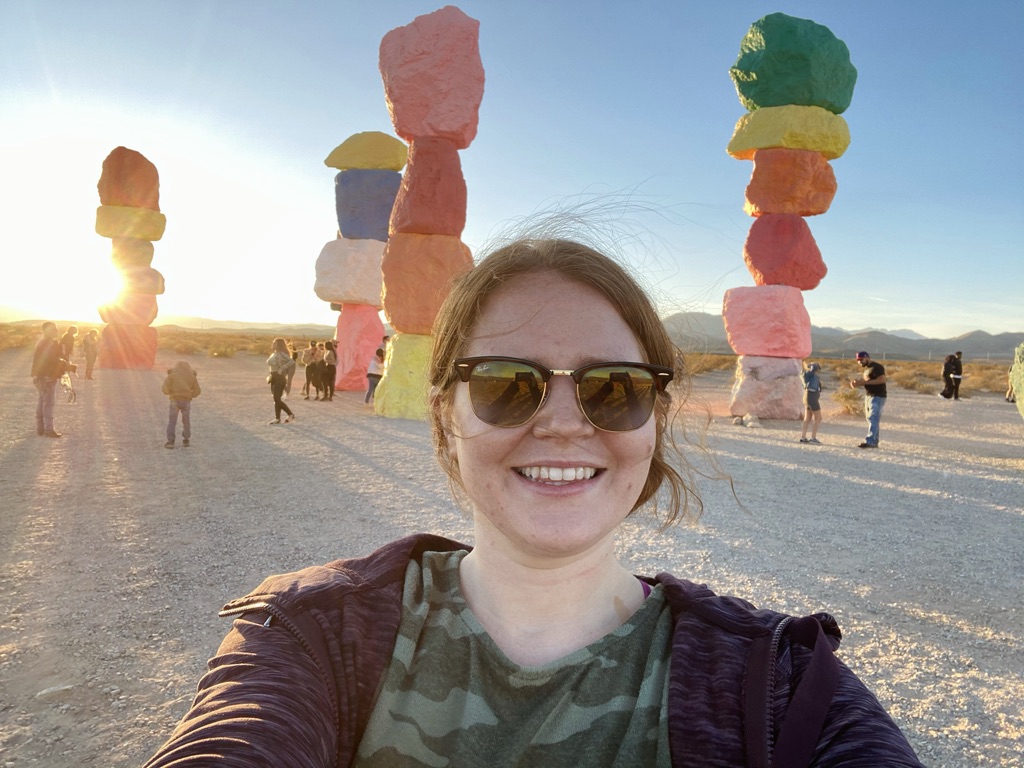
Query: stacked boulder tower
(348, 270)
(795, 79)
(129, 214)
(434, 83)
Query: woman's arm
(263, 702)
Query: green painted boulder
(785, 60)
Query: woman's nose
(560, 414)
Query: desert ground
(117, 553)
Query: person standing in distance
(958, 373)
(48, 365)
(812, 403)
(874, 396)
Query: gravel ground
(117, 553)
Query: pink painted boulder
(433, 76)
(417, 271)
(359, 335)
(432, 198)
(768, 321)
(767, 387)
(780, 250)
(798, 181)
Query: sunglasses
(615, 397)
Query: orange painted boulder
(432, 198)
(790, 181)
(121, 221)
(780, 250)
(417, 270)
(130, 252)
(129, 179)
(767, 321)
(130, 309)
(127, 346)
(433, 76)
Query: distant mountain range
(706, 332)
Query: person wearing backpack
(181, 386)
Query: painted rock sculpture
(795, 78)
(434, 83)
(129, 214)
(348, 270)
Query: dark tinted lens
(617, 398)
(505, 394)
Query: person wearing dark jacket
(535, 646)
(48, 365)
(947, 377)
(957, 373)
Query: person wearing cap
(812, 404)
(873, 382)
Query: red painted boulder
(417, 271)
(433, 76)
(127, 346)
(432, 198)
(129, 179)
(780, 250)
(796, 181)
(767, 321)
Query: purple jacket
(294, 681)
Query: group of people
(534, 646)
(320, 363)
(51, 360)
(873, 383)
(952, 373)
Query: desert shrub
(186, 347)
(848, 399)
(220, 349)
(984, 377)
(918, 377)
(17, 336)
(702, 362)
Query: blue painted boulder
(364, 199)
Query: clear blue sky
(238, 102)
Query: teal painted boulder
(785, 60)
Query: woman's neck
(539, 611)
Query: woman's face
(561, 325)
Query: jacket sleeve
(196, 389)
(858, 732)
(263, 702)
(166, 388)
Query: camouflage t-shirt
(451, 697)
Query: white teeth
(557, 474)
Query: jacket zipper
(772, 654)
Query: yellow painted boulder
(402, 392)
(791, 127)
(126, 221)
(370, 150)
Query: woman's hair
(460, 313)
(279, 345)
(329, 345)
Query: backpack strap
(808, 707)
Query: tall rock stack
(129, 214)
(795, 78)
(434, 83)
(348, 270)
